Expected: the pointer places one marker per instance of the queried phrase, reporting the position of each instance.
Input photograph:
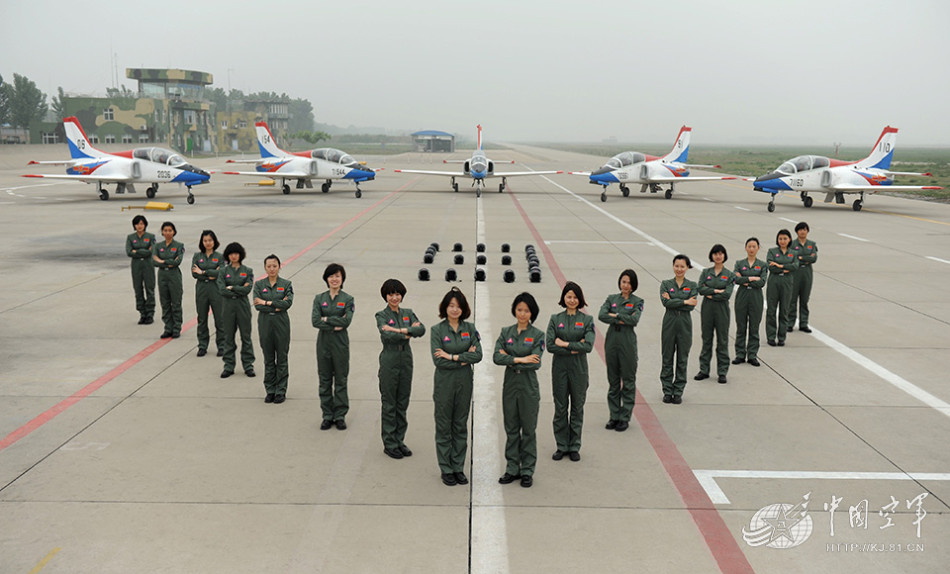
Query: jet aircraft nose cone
(601, 171)
(767, 177)
(603, 178)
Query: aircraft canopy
(334, 155)
(624, 159)
(803, 163)
(159, 155)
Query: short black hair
(756, 239)
(528, 300)
(172, 225)
(333, 269)
(801, 225)
(632, 276)
(719, 248)
(455, 293)
(685, 258)
(578, 292)
(201, 247)
(139, 219)
(234, 247)
(391, 286)
(782, 232)
(274, 257)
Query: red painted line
(713, 529)
(92, 387)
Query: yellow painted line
(43, 562)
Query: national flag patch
(214, 260)
(340, 305)
(174, 249)
(578, 324)
(466, 335)
(529, 339)
(724, 277)
(629, 305)
(243, 275)
(405, 319)
(686, 289)
(280, 289)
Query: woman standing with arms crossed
(621, 312)
(397, 325)
(570, 336)
(456, 346)
(807, 253)
(678, 296)
(751, 275)
(138, 246)
(332, 313)
(167, 256)
(519, 348)
(273, 295)
(234, 285)
(205, 265)
(715, 287)
(782, 262)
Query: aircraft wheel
(669, 194)
(771, 206)
(501, 188)
(478, 192)
(603, 196)
(150, 192)
(455, 186)
(359, 194)
(625, 191)
(285, 189)
(103, 194)
(191, 199)
(808, 201)
(857, 205)
(325, 187)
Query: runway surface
(120, 452)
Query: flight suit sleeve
(740, 279)
(346, 318)
(585, 345)
(128, 247)
(194, 261)
(415, 330)
(631, 318)
(176, 260)
(499, 358)
(705, 290)
(387, 336)
(222, 287)
(537, 349)
(258, 295)
(472, 357)
(285, 302)
(672, 302)
(316, 315)
(245, 288)
(727, 293)
(604, 314)
(551, 335)
(212, 274)
(809, 256)
(435, 343)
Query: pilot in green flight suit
(807, 253)
(570, 337)
(782, 262)
(138, 246)
(715, 288)
(679, 297)
(235, 281)
(621, 312)
(751, 276)
(273, 296)
(332, 312)
(205, 265)
(167, 256)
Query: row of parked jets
(153, 166)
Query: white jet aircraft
(328, 164)
(479, 168)
(818, 174)
(148, 165)
(650, 171)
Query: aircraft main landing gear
(669, 193)
(359, 193)
(325, 187)
(455, 186)
(191, 198)
(807, 201)
(771, 205)
(603, 196)
(625, 190)
(150, 192)
(478, 191)
(103, 195)
(857, 205)
(286, 189)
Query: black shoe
(738, 361)
(279, 399)
(148, 321)
(677, 400)
(202, 352)
(166, 335)
(781, 343)
(461, 478)
(341, 424)
(526, 481)
(771, 342)
(558, 455)
(790, 329)
(754, 362)
(250, 372)
(804, 329)
(509, 478)
(326, 424)
(622, 426)
(269, 398)
(226, 373)
(448, 479)
(176, 335)
(220, 352)
(405, 450)
(393, 453)
(722, 379)
(611, 424)
(667, 398)
(575, 456)
(701, 376)
(141, 320)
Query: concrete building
(433, 141)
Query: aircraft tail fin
(680, 151)
(479, 137)
(79, 146)
(265, 140)
(883, 151)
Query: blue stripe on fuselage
(359, 175)
(885, 162)
(75, 153)
(604, 178)
(772, 186)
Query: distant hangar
(433, 141)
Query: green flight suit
(169, 283)
(620, 350)
(395, 372)
(714, 317)
(273, 328)
(207, 296)
(749, 306)
(520, 396)
(143, 272)
(333, 351)
(569, 375)
(778, 294)
(452, 391)
(676, 336)
(235, 285)
(807, 254)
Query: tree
(27, 102)
(311, 137)
(301, 115)
(4, 102)
(57, 103)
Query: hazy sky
(746, 71)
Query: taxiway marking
(856, 238)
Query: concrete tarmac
(121, 452)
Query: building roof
(169, 75)
(433, 133)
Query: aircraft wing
(517, 173)
(258, 160)
(272, 174)
(103, 178)
(845, 188)
(688, 178)
(69, 162)
(426, 172)
(584, 173)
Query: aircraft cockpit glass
(788, 168)
(820, 161)
(613, 163)
(347, 160)
(175, 160)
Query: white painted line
(707, 478)
(854, 237)
(706, 199)
(549, 242)
(788, 220)
(742, 208)
(489, 532)
(938, 259)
